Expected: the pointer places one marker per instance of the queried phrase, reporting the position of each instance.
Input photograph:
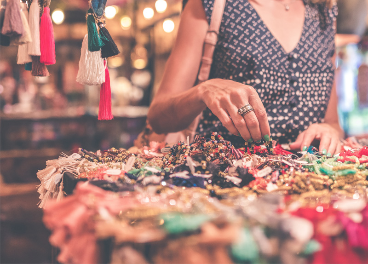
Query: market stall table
(207, 202)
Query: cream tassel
(61, 191)
(91, 66)
(44, 199)
(23, 56)
(34, 25)
(46, 173)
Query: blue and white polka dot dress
(294, 87)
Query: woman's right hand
(225, 97)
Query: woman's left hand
(328, 136)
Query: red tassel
(47, 42)
(104, 111)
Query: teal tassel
(94, 41)
(28, 66)
(311, 247)
(245, 249)
(176, 223)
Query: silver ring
(245, 109)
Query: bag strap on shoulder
(211, 40)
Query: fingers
(251, 119)
(308, 138)
(225, 120)
(298, 142)
(253, 126)
(247, 124)
(338, 148)
(333, 146)
(261, 114)
(239, 123)
(325, 144)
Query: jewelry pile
(188, 201)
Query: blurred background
(44, 116)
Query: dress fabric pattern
(294, 87)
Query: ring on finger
(245, 110)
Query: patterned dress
(294, 87)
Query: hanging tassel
(91, 66)
(23, 56)
(34, 25)
(28, 66)
(45, 198)
(47, 38)
(94, 41)
(46, 173)
(26, 37)
(104, 110)
(60, 194)
(4, 40)
(109, 49)
(12, 26)
(38, 68)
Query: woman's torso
(294, 87)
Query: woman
(274, 55)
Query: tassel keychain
(94, 41)
(104, 110)
(28, 66)
(13, 25)
(38, 68)
(34, 25)
(91, 66)
(4, 40)
(23, 56)
(47, 42)
(109, 49)
(26, 37)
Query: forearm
(175, 112)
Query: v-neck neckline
(277, 41)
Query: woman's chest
(247, 45)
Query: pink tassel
(104, 111)
(13, 25)
(47, 41)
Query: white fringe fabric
(23, 56)
(51, 177)
(34, 25)
(91, 66)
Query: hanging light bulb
(160, 6)
(110, 11)
(125, 22)
(58, 16)
(148, 13)
(168, 25)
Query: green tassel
(245, 249)
(311, 247)
(176, 223)
(94, 41)
(345, 172)
(28, 66)
(326, 171)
